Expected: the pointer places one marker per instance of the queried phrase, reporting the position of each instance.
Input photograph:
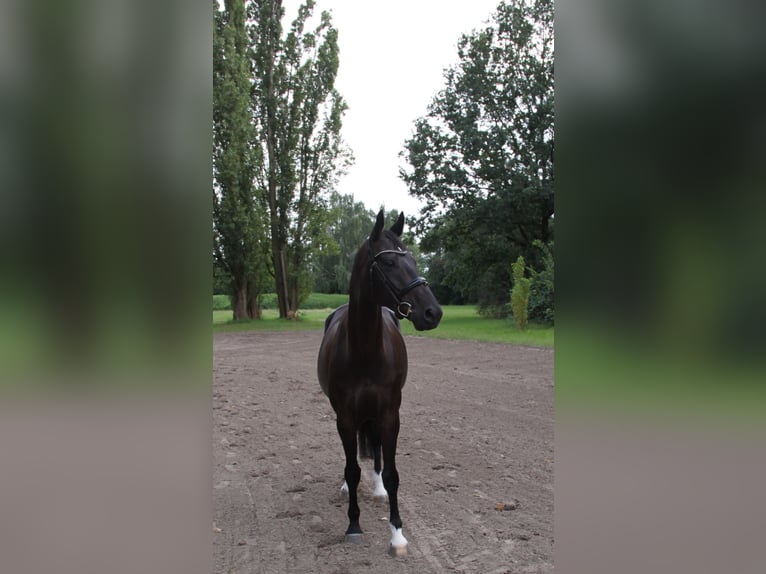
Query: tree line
(277, 147)
(481, 160)
(349, 225)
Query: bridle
(403, 308)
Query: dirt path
(477, 430)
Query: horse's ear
(378, 226)
(398, 227)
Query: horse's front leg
(351, 474)
(391, 483)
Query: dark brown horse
(362, 363)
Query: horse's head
(395, 280)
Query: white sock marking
(377, 481)
(344, 489)
(397, 538)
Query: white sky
(392, 57)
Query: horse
(362, 364)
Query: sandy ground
(476, 431)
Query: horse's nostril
(433, 315)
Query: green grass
(313, 301)
(610, 370)
(459, 322)
(308, 320)
(464, 322)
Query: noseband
(403, 308)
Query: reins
(403, 308)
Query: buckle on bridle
(406, 313)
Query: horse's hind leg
(352, 474)
(391, 482)
(377, 477)
(370, 447)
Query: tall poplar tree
(277, 147)
(299, 117)
(238, 222)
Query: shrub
(269, 301)
(491, 287)
(541, 302)
(520, 294)
(221, 303)
(324, 301)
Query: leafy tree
(299, 117)
(436, 269)
(278, 150)
(238, 224)
(482, 158)
(541, 307)
(350, 223)
(520, 294)
(221, 279)
(409, 238)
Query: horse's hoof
(398, 545)
(355, 538)
(397, 551)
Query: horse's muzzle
(427, 320)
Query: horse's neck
(365, 321)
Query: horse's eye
(389, 262)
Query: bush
(324, 301)
(221, 303)
(269, 301)
(520, 294)
(541, 302)
(493, 310)
(491, 287)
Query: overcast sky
(392, 57)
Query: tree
(520, 294)
(277, 150)
(437, 268)
(238, 225)
(482, 158)
(409, 239)
(541, 299)
(299, 117)
(350, 224)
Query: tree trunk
(280, 272)
(294, 299)
(254, 308)
(239, 302)
(285, 281)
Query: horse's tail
(368, 438)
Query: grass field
(459, 322)
(313, 301)
(603, 370)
